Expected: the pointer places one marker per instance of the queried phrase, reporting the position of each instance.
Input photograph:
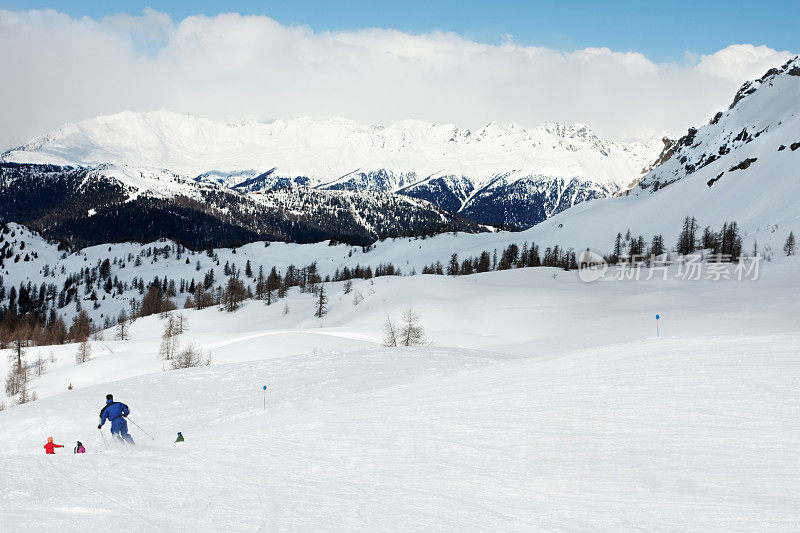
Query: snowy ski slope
(544, 403)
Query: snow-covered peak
(759, 133)
(790, 68)
(325, 149)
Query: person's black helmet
(109, 396)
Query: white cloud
(739, 61)
(60, 69)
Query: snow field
(657, 434)
(545, 403)
(523, 312)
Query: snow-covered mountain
(743, 166)
(500, 174)
(337, 150)
(109, 203)
(756, 138)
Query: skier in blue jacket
(116, 413)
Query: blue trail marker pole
(657, 332)
(265, 397)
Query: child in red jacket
(50, 447)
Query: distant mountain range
(325, 153)
(500, 175)
(141, 176)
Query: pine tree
(484, 262)
(633, 250)
(533, 256)
(657, 245)
(709, 239)
(202, 298)
(274, 283)
(322, 300)
(688, 237)
(640, 245)
(233, 295)
(156, 301)
(261, 284)
(81, 327)
(790, 247)
(731, 240)
(617, 249)
(452, 266)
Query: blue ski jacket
(113, 411)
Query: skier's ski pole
(104, 438)
(140, 427)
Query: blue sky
(661, 30)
